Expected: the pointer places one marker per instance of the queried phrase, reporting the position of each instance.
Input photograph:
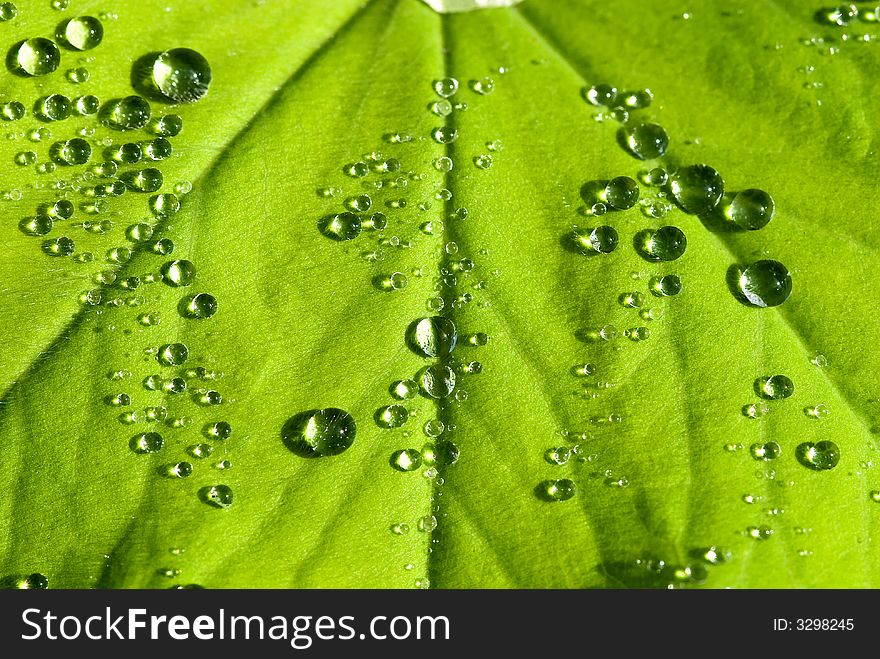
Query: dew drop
(665, 244)
(148, 442)
(182, 74)
(129, 113)
(178, 273)
(219, 430)
(646, 141)
(319, 432)
(72, 152)
(219, 496)
(82, 33)
(404, 389)
(697, 188)
(54, 107)
(437, 381)
(201, 305)
(819, 411)
(446, 87)
(391, 416)
(751, 209)
(775, 387)
(340, 227)
(820, 456)
(600, 240)
(561, 489)
(767, 451)
(600, 95)
(765, 283)
(35, 581)
(61, 246)
(180, 470)
(755, 410)
(172, 354)
(621, 193)
(432, 337)
(8, 11)
(37, 56)
(483, 86)
(665, 286)
(12, 111)
(406, 460)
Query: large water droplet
(172, 354)
(697, 188)
(37, 56)
(446, 87)
(392, 416)
(219, 496)
(432, 337)
(819, 456)
(765, 283)
(666, 286)
(147, 442)
(319, 433)
(182, 74)
(406, 460)
(766, 451)
(35, 581)
(774, 387)
(178, 273)
(201, 305)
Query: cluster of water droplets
(91, 187)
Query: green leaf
(299, 92)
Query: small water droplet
(129, 113)
(446, 87)
(201, 305)
(665, 244)
(391, 416)
(432, 337)
(819, 411)
(406, 460)
(178, 273)
(483, 86)
(751, 209)
(665, 286)
(445, 135)
(621, 193)
(437, 381)
(774, 387)
(148, 442)
(755, 410)
(340, 227)
(600, 240)
(557, 490)
(766, 451)
(219, 496)
(600, 95)
(35, 581)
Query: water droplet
(400, 529)
(172, 354)
(148, 442)
(219, 430)
(875, 496)
(61, 246)
(157, 149)
(557, 490)
(219, 496)
(759, 532)
(766, 451)
(182, 74)
(819, 456)
(665, 244)
(181, 470)
(82, 33)
(35, 581)
(557, 456)
(755, 410)
(442, 108)
(163, 246)
(765, 283)
(665, 286)
(697, 188)
(87, 105)
(483, 86)
(78, 75)
(601, 240)
(72, 152)
(406, 460)
(178, 273)
(53, 107)
(437, 381)
(129, 113)
(164, 204)
(37, 56)
(774, 387)
(403, 389)
(342, 226)
(483, 161)
(842, 14)
(319, 432)
(819, 411)
(638, 99)
(392, 416)
(751, 209)
(427, 523)
(601, 95)
(39, 225)
(647, 141)
(12, 111)
(443, 164)
(145, 180)
(446, 87)
(432, 337)
(201, 305)
(120, 400)
(360, 203)
(716, 555)
(632, 300)
(445, 135)
(8, 11)
(621, 193)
